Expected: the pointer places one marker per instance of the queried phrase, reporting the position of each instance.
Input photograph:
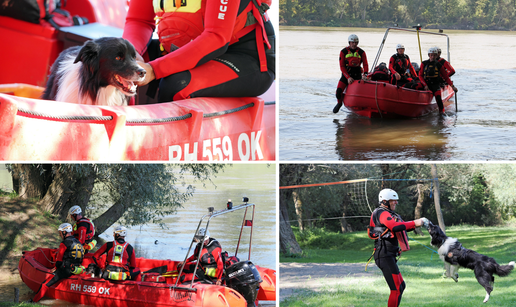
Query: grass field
(421, 269)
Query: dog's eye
(118, 58)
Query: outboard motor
(244, 277)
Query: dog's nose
(141, 73)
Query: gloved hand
(425, 221)
(454, 88)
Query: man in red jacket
(206, 48)
(211, 263)
(120, 258)
(430, 75)
(389, 232)
(83, 229)
(350, 59)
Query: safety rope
(229, 111)
(69, 118)
(433, 251)
(376, 99)
(45, 255)
(158, 120)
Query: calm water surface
(257, 182)
(483, 129)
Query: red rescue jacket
(350, 61)
(84, 230)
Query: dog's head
(438, 236)
(94, 270)
(111, 61)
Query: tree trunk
(437, 198)
(81, 195)
(111, 216)
(419, 206)
(28, 181)
(58, 193)
(288, 242)
(298, 204)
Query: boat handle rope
(376, 99)
(138, 121)
(208, 115)
(72, 117)
(45, 255)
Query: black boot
(337, 107)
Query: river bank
(383, 25)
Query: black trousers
(393, 277)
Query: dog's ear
(89, 56)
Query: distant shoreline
(386, 25)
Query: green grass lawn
(421, 269)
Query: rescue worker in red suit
(120, 257)
(211, 264)
(83, 229)
(350, 60)
(399, 63)
(446, 64)
(206, 48)
(68, 260)
(389, 232)
(430, 75)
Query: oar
(418, 27)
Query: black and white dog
(454, 255)
(101, 72)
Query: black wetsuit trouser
(393, 277)
(436, 90)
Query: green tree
(136, 194)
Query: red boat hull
(82, 289)
(380, 99)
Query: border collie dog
(454, 255)
(101, 72)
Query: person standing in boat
(206, 48)
(68, 261)
(446, 64)
(350, 60)
(211, 264)
(430, 75)
(83, 229)
(120, 258)
(399, 63)
(390, 234)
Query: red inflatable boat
(35, 267)
(381, 99)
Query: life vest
(117, 261)
(89, 243)
(380, 72)
(74, 252)
(352, 61)
(401, 63)
(181, 21)
(208, 262)
(431, 71)
(377, 231)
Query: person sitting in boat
(211, 264)
(398, 65)
(350, 60)
(83, 229)
(380, 73)
(68, 260)
(206, 48)
(430, 76)
(449, 69)
(120, 257)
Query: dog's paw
(455, 277)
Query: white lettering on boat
(220, 149)
(89, 289)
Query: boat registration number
(220, 149)
(89, 289)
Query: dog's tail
(504, 270)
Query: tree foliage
(459, 14)
(133, 194)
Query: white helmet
(75, 210)
(400, 46)
(202, 233)
(387, 194)
(438, 50)
(65, 227)
(120, 230)
(433, 50)
(353, 38)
